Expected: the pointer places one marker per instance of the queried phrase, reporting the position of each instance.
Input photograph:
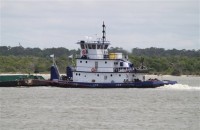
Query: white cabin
(96, 65)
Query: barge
(10, 80)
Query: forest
(159, 61)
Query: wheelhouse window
(105, 46)
(86, 46)
(90, 46)
(82, 46)
(98, 46)
(93, 46)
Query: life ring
(93, 70)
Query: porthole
(85, 61)
(80, 61)
(119, 75)
(105, 62)
(111, 75)
(98, 75)
(79, 74)
(76, 74)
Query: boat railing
(93, 56)
(94, 42)
(122, 69)
(103, 56)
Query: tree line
(158, 60)
(37, 52)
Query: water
(190, 81)
(48, 108)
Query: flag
(52, 56)
(71, 56)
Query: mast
(104, 32)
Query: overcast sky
(129, 23)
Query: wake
(180, 87)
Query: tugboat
(97, 68)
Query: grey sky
(130, 23)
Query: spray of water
(180, 87)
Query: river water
(170, 107)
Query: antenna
(104, 33)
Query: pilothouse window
(86, 46)
(93, 46)
(89, 46)
(105, 46)
(82, 46)
(98, 46)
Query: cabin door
(105, 78)
(96, 65)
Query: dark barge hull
(9, 84)
(25, 83)
(22, 80)
(144, 84)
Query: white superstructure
(96, 65)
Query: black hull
(145, 84)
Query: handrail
(88, 55)
(94, 42)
